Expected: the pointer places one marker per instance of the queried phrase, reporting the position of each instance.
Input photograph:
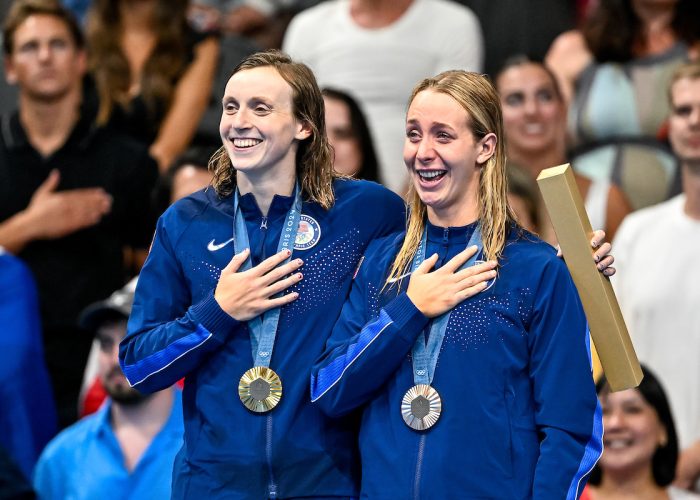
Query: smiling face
(684, 123)
(444, 158)
(258, 128)
(45, 61)
(633, 432)
(533, 112)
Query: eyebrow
(432, 125)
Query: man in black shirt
(73, 196)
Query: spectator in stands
(614, 72)
(376, 50)
(533, 117)
(27, 412)
(640, 445)
(72, 195)
(153, 73)
(350, 137)
(126, 449)
(657, 280)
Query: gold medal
(260, 389)
(421, 407)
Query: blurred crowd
(109, 113)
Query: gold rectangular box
(568, 215)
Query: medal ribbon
(424, 356)
(264, 328)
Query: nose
(426, 152)
(241, 119)
(44, 52)
(531, 107)
(614, 419)
(694, 118)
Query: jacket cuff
(209, 314)
(406, 316)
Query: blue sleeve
(167, 336)
(361, 355)
(48, 477)
(568, 414)
(27, 413)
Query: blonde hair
(479, 99)
(314, 159)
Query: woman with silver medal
(463, 341)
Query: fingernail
(600, 267)
(300, 276)
(288, 252)
(596, 258)
(594, 243)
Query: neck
(49, 123)
(265, 187)
(454, 217)
(374, 14)
(149, 416)
(137, 15)
(691, 188)
(630, 484)
(534, 162)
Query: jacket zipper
(419, 467)
(271, 485)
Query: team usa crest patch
(308, 234)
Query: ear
(10, 75)
(303, 131)
(486, 147)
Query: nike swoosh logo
(213, 247)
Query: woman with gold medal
(223, 299)
(464, 395)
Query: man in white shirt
(658, 271)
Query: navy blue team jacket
(520, 414)
(178, 330)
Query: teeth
(246, 143)
(534, 128)
(430, 174)
(614, 444)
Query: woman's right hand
(247, 294)
(435, 293)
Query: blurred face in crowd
(684, 123)
(188, 180)
(258, 128)
(441, 153)
(633, 432)
(45, 62)
(348, 156)
(533, 112)
(109, 334)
